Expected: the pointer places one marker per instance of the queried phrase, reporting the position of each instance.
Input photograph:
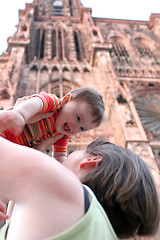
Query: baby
(80, 110)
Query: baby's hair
(94, 101)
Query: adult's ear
(91, 162)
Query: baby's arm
(47, 143)
(50, 104)
(22, 113)
(15, 119)
(59, 156)
(29, 107)
(59, 149)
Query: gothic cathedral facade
(59, 46)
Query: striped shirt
(39, 131)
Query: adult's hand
(3, 215)
(11, 120)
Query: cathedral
(59, 46)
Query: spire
(59, 7)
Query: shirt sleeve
(50, 102)
(61, 145)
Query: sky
(119, 9)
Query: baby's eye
(82, 129)
(78, 118)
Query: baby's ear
(91, 162)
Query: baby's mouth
(66, 127)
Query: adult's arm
(45, 192)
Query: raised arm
(18, 171)
(42, 190)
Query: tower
(59, 46)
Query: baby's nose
(75, 128)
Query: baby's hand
(48, 142)
(11, 120)
(3, 215)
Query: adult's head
(123, 184)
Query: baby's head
(83, 112)
(93, 99)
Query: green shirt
(95, 225)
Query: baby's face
(74, 117)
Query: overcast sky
(120, 9)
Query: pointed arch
(44, 78)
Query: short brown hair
(94, 101)
(124, 186)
